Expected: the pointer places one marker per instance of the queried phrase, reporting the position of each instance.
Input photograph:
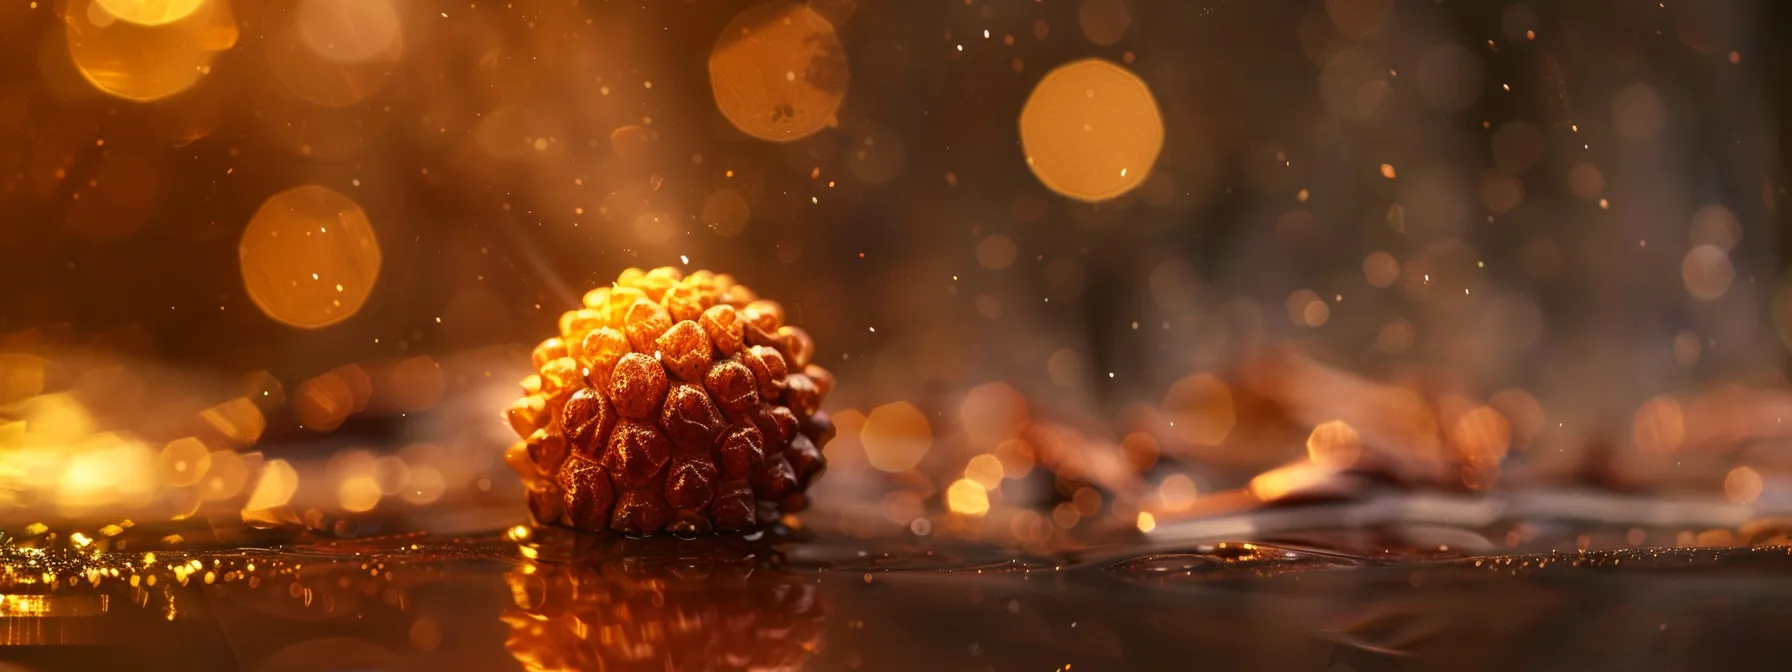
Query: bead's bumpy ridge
(671, 403)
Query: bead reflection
(660, 604)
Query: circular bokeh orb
(309, 257)
(778, 72)
(1091, 130)
(141, 62)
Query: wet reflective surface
(1387, 597)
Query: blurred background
(1078, 265)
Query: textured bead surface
(671, 403)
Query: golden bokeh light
(150, 12)
(896, 436)
(1334, 444)
(1176, 493)
(986, 470)
(1742, 485)
(274, 487)
(1201, 409)
(309, 257)
(316, 78)
(992, 413)
(225, 477)
(968, 498)
(1016, 457)
(106, 470)
(1091, 130)
(184, 461)
(778, 71)
(348, 31)
(358, 493)
(322, 403)
(239, 420)
(1146, 521)
(1482, 435)
(140, 62)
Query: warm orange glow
(1742, 485)
(348, 31)
(150, 12)
(1017, 458)
(225, 477)
(992, 413)
(358, 493)
(896, 436)
(986, 470)
(140, 62)
(1091, 130)
(315, 77)
(1283, 481)
(309, 258)
(1659, 426)
(184, 461)
(1201, 408)
(21, 376)
(1334, 444)
(238, 420)
(1176, 493)
(322, 403)
(275, 486)
(778, 71)
(1482, 436)
(966, 497)
(1146, 521)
